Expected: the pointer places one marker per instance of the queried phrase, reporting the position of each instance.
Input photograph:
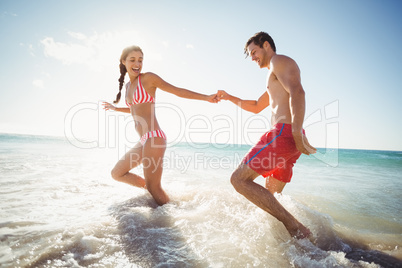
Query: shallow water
(60, 208)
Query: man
(274, 155)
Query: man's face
(258, 54)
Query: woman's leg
(129, 161)
(152, 160)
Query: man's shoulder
(278, 58)
(280, 63)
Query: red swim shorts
(274, 154)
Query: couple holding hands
(282, 145)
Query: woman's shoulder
(149, 75)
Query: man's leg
(273, 185)
(243, 181)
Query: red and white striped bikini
(142, 96)
(151, 134)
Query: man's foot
(300, 232)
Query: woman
(140, 99)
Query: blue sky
(60, 59)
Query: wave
(205, 228)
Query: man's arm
(254, 106)
(288, 74)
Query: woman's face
(133, 63)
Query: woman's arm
(107, 106)
(181, 92)
(129, 93)
(254, 106)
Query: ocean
(61, 208)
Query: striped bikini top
(140, 94)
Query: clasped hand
(218, 96)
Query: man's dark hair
(259, 39)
